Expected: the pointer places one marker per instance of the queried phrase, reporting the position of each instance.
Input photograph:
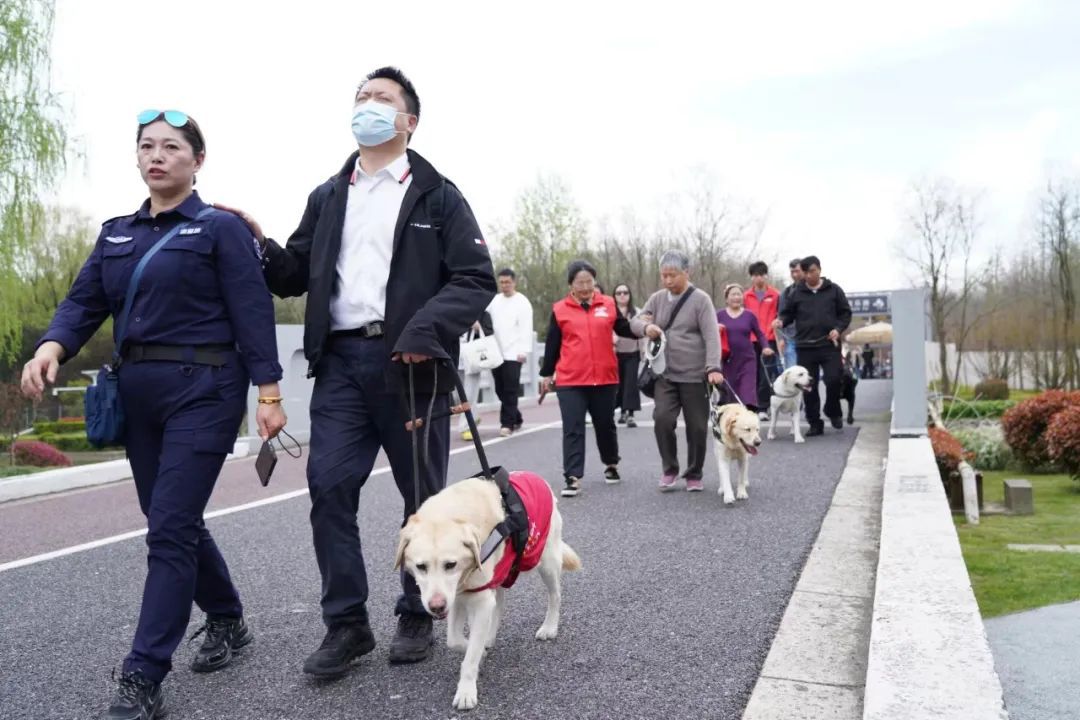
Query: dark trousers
(628, 397)
(768, 369)
(692, 399)
(181, 422)
(599, 402)
(822, 361)
(353, 415)
(507, 379)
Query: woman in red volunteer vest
(579, 353)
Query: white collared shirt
(367, 244)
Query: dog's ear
(729, 423)
(404, 536)
(472, 541)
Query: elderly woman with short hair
(692, 359)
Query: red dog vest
(539, 504)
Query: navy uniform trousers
(353, 415)
(181, 421)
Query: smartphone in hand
(264, 464)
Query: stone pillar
(909, 362)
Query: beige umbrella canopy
(879, 333)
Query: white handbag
(481, 352)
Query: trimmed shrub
(1063, 440)
(1025, 425)
(987, 445)
(39, 454)
(948, 452)
(63, 426)
(992, 389)
(975, 409)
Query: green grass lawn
(13, 470)
(967, 392)
(1008, 581)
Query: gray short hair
(676, 260)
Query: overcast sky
(819, 113)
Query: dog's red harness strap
(539, 504)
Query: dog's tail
(570, 559)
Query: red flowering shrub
(948, 452)
(39, 454)
(1025, 425)
(1063, 440)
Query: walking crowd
(399, 286)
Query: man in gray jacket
(692, 358)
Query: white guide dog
(736, 436)
(788, 390)
(440, 546)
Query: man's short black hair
(795, 263)
(412, 100)
(759, 268)
(808, 262)
(507, 272)
(577, 266)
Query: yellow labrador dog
(737, 436)
(440, 546)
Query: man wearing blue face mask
(396, 269)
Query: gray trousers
(692, 400)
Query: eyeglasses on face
(622, 292)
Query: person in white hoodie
(512, 317)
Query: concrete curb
(47, 482)
(816, 667)
(929, 655)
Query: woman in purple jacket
(743, 332)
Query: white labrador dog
(440, 546)
(737, 436)
(788, 390)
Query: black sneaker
(136, 698)
(837, 422)
(611, 475)
(342, 645)
(573, 486)
(630, 422)
(622, 419)
(413, 640)
(850, 419)
(815, 430)
(224, 636)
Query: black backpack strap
(678, 306)
(436, 201)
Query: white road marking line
(62, 552)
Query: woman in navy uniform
(201, 328)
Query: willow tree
(32, 145)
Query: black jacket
(815, 314)
(440, 281)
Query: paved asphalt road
(671, 617)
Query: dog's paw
(741, 495)
(465, 698)
(728, 500)
(457, 643)
(771, 436)
(800, 440)
(547, 633)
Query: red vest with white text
(586, 356)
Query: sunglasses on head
(174, 117)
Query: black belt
(367, 330)
(213, 355)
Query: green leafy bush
(987, 445)
(63, 426)
(992, 389)
(975, 409)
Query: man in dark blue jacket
(821, 313)
(395, 269)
